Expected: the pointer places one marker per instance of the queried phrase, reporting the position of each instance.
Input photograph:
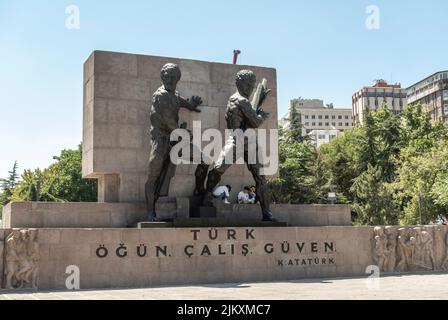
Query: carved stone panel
(401, 249)
(21, 259)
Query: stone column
(108, 188)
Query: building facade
(315, 116)
(432, 94)
(372, 98)
(320, 137)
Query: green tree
(374, 203)
(293, 131)
(414, 187)
(421, 186)
(381, 141)
(61, 181)
(65, 180)
(392, 169)
(7, 186)
(302, 174)
(32, 187)
(342, 161)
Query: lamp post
(331, 195)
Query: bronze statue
(240, 114)
(164, 116)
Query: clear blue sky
(321, 49)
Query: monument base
(127, 215)
(210, 223)
(114, 258)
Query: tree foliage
(61, 181)
(7, 185)
(392, 169)
(302, 178)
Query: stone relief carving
(445, 262)
(22, 259)
(405, 249)
(380, 248)
(391, 234)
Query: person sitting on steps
(244, 196)
(223, 193)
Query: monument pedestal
(210, 223)
(149, 257)
(193, 251)
(207, 212)
(127, 215)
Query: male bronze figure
(240, 114)
(164, 116)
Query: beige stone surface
(202, 255)
(122, 215)
(117, 95)
(404, 287)
(114, 258)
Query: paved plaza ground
(433, 286)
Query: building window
(346, 117)
(327, 124)
(321, 137)
(445, 95)
(376, 102)
(333, 117)
(308, 131)
(306, 117)
(347, 124)
(313, 124)
(307, 123)
(326, 117)
(320, 124)
(445, 109)
(401, 102)
(320, 117)
(340, 124)
(313, 117)
(339, 117)
(333, 123)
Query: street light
(332, 195)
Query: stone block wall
(122, 215)
(118, 88)
(113, 258)
(174, 257)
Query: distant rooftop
(440, 75)
(380, 83)
(300, 103)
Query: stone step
(223, 222)
(149, 225)
(209, 223)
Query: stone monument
(40, 241)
